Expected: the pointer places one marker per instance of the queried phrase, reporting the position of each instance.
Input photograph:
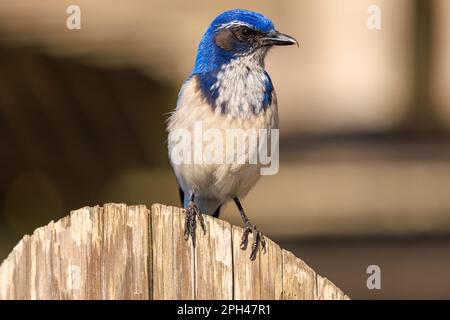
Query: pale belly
(216, 180)
(211, 176)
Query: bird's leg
(190, 223)
(248, 227)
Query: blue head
(237, 33)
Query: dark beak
(275, 38)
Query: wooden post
(121, 252)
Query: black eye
(244, 34)
(247, 32)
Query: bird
(228, 88)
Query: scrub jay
(229, 88)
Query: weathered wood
(271, 268)
(299, 280)
(247, 284)
(173, 257)
(125, 252)
(42, 278)
(130, 252)
(326, 290)
(75, 242)
(14, 275)
(214, 261)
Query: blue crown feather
(211, 57)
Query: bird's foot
(258, 240)
(190, 223)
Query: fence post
(131, 252)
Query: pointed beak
(275, 38)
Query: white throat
(241, 85)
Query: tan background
(365, 114)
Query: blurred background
(365, 126)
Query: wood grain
(271, 272)
(173, 257)
(125, 252)
(326, 290)
(129, 252)
(214, 261)
(14, 275)
(299, 280)
(247, 281)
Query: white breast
(221, 182)
(240, 90)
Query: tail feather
(217, 212)
(181, 193)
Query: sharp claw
(259, 240)
(202, 222)
(244, 239)
(193, 227)
(190, 223)
(263, 244)
(255, 246)
(186, 226)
